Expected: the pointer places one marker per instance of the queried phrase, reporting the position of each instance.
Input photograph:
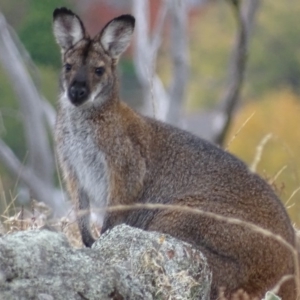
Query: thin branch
(179, 53)
(145, 57)
(245, 14)
(259, 150)
(141, 42)
(54, 198)
(158, 30)
(13, 164)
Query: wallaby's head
(89, 64)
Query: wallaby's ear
(68, 28)
(116, 35)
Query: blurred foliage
(10, 124)
(49, 83)
(35, 31)
(10, 117)
(11, 121)
(274, 59)
(274, 54)
(14, 11)
(211, 40)
(276, 113)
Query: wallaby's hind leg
(239, 258)
(83, 218)
(224, 267)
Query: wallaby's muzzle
(78, 92)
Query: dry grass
(19, 218)
(239, 130)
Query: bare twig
(145, 57)
(12, 163)
(239, 130)
(259, 150)
(40, 190)
(179, 53)
(245, 12)
(275, 177)
(146, 49)
(292, 195)
(158, 30)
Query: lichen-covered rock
(166, 267)
(125, 263)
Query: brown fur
(147, 161)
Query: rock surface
(125, 263)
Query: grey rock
(125, 263)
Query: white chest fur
(82, 154)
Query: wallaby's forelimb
(83, 219)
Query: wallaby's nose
(78, 92)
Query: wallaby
(110, 154)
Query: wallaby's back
(111, 155)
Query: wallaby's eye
(68, 67)
(99, 71)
